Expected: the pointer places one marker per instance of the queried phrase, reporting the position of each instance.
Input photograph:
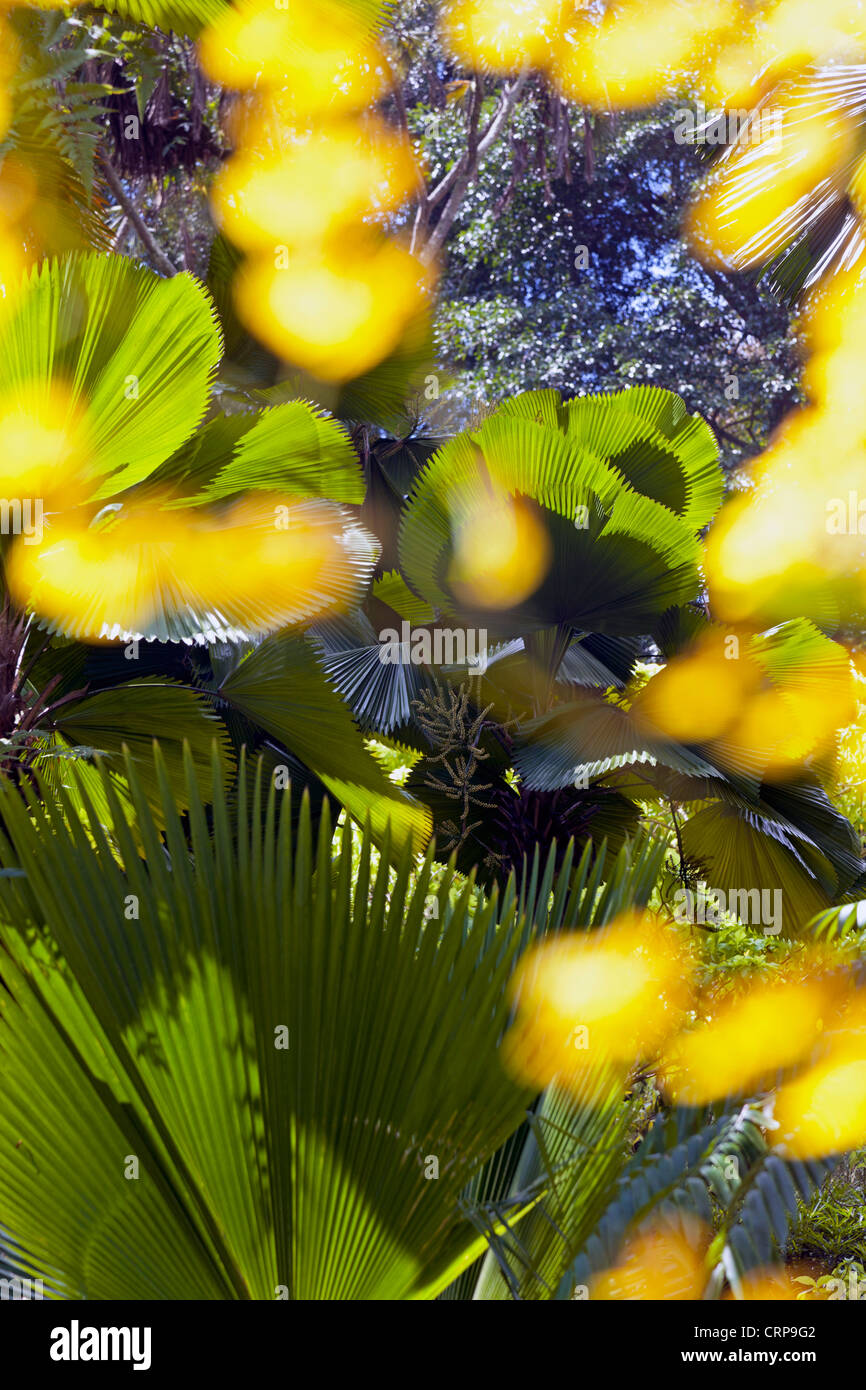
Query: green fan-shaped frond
(294, 450)
(284, 690)
(558, 1179)
(136, 353)
(123, 721)
(282, 1051)
(595, 737)
(618, 559)
(661, 451)
(180, 607)
(187, 17)
(647, 434)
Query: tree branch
(464, 171)
(731, 438)
(159, 258)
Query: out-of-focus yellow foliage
(335, 312)
(629, 53)
(503, 35)
(658, 1264)
(823, 1110)
(773, 1284)
(16, 185)
(501, 554)
(115, 578)
(317, 52)
(325, 183)
(850, 762)
(696, 696)
(797, 542)
(723, 697)
(591, 999)
(787, 725)
(780, 37)
(101, 577)
(770, 1027)
(323, 288)
(43, 445)
(637, 51)
(7, 67)
(743, 216)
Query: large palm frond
(565, 1159)
(134, 357)
(230, 1068)
(633, 557)
(820, 232)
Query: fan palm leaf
(279, 1050)
(121, 363)
(284, 690)
(618, 558)
(574, 1146)
(819, 233)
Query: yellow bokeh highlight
(329, 180)
(769, 557)
(591, 999)
(43, 445)
(728, 694)
(236, 566)
(696, 696)
(638, 51)
(797, 541)
(778, 38)
(17, 197)
(502, 35)
(631, 53)
(268, 566)
(773, 1284)
(321, 289)
(658, 1264)
(9, 52)
(823, 1110)
(502, 554)
(788, 724)
(316, 50)
(743, 217)
(101, 579)
(336, 313)
(768, 1028)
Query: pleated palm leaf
(116, 367)
(228, 1070)
(594, 1169)
(564, 1162)
(234, 1066)
(817, 231)
(618, 557)
(634, 470)
(183, 16)
(617, 486)
(746, 824)
(647, 434)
